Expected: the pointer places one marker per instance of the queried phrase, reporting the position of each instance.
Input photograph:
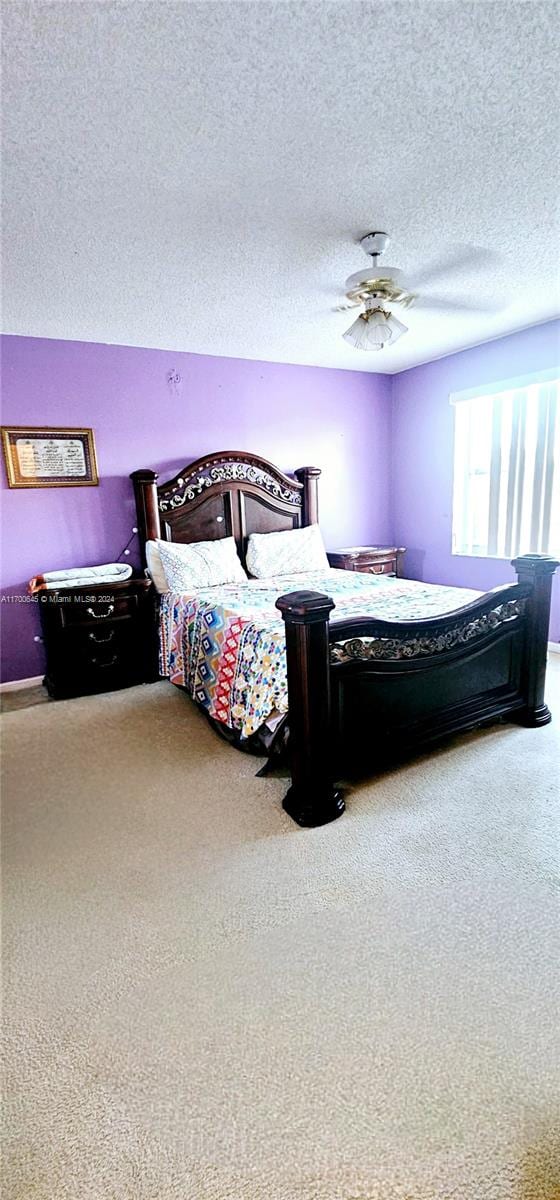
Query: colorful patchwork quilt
(226, 644)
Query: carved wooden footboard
(363, 689)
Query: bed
(346, 672)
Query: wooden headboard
(228, 494)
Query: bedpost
(537, 570)
(308, 477)
(312, 799)
(147, 512)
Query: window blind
(506, 497)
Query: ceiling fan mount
(375, 243)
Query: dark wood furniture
(363, 690)
(98, 638)
(370, 560)
(231, 494)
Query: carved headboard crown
(227, 494)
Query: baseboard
(15, 685)
(554, 647)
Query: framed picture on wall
(49, 457)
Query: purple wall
(338, 420)
(422, 449)
(342, 421)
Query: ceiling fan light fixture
(374, 328)
(397, 328)
(359, 335)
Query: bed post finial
(147, 512)
(309, 477)
(537, 570)
(312, 799)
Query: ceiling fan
(378, 288)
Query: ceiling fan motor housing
(377, 280)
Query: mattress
(226, 645)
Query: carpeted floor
(26, 697)
(204, 1002)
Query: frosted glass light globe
(374, 329)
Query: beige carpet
(204, 1002)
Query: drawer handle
(101, 615)
(109, 662)
(100, 641)
(377, 568)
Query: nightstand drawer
(86, 643)
(108, 663)
(98, 610)
(388, 567)
(369, 560)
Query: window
(506, 491)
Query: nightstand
(372, 560)
(99, 638)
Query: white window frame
(495, 388)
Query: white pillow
(287, 553)
(155, 567)
(192, 565)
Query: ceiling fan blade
(460, 258)
(346, 306)
(435, 303)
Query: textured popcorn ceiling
(194, 175)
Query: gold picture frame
(47, 456)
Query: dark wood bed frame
(362, 690)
